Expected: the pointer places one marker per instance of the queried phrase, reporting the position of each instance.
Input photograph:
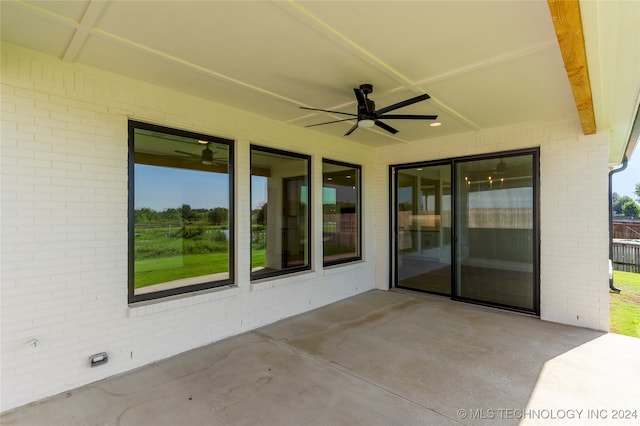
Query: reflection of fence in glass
(340, 230)
(501, 218)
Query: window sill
(282, 280)
(339, 268)
(149, 307)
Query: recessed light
(201, 142)
(435, 124)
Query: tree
(146, 215)
(619, 202)
(638, 190)
(218, 216)
(187, 214)
(261, 215)
(173, 216)
(614, 197)
(631, 209)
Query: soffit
(485, 64)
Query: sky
(624, 182)
(162, 188)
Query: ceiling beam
(568, 25)
(89, 18)
(354, 48)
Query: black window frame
(160, 294)
(358, 256)
(276, 273)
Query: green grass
(625, 306)
(258, 257)
(163, 269)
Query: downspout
(624, 166)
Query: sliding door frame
(393, 222)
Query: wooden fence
(626, 229)
(626, 257)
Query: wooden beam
(568, 24)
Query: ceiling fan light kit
(366, 123)
(368, 116)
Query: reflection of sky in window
(405, 195)
(258, 191)
(160, 188)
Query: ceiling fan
(206, 157)
(368, 116)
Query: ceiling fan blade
(362, 101)
(329, 122)
(190, 154)
(386, 127)
(333, 112)
(402, 104)
(407, 117)
(355, 126)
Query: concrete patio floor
(380, 358)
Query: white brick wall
(64, 228)
(64, 224)
(573, 211)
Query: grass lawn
(163, 269)
(258, 257)
(625, 307)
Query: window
(341, 233)
(280, 212)
(180, 211)
(496, 230)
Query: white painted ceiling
(483, 63)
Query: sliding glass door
(493, 229)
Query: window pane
(181, 213)
(495, 229)
(279, 212)
(340, 212)
(423, 227)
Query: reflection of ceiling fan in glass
(207, 157)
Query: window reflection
(340, 212)
(280, 213)
(181, 219)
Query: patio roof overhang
(485, 65)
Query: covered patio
(204, 192)
(379, 358)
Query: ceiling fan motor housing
(367, 111)
(366, 88)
